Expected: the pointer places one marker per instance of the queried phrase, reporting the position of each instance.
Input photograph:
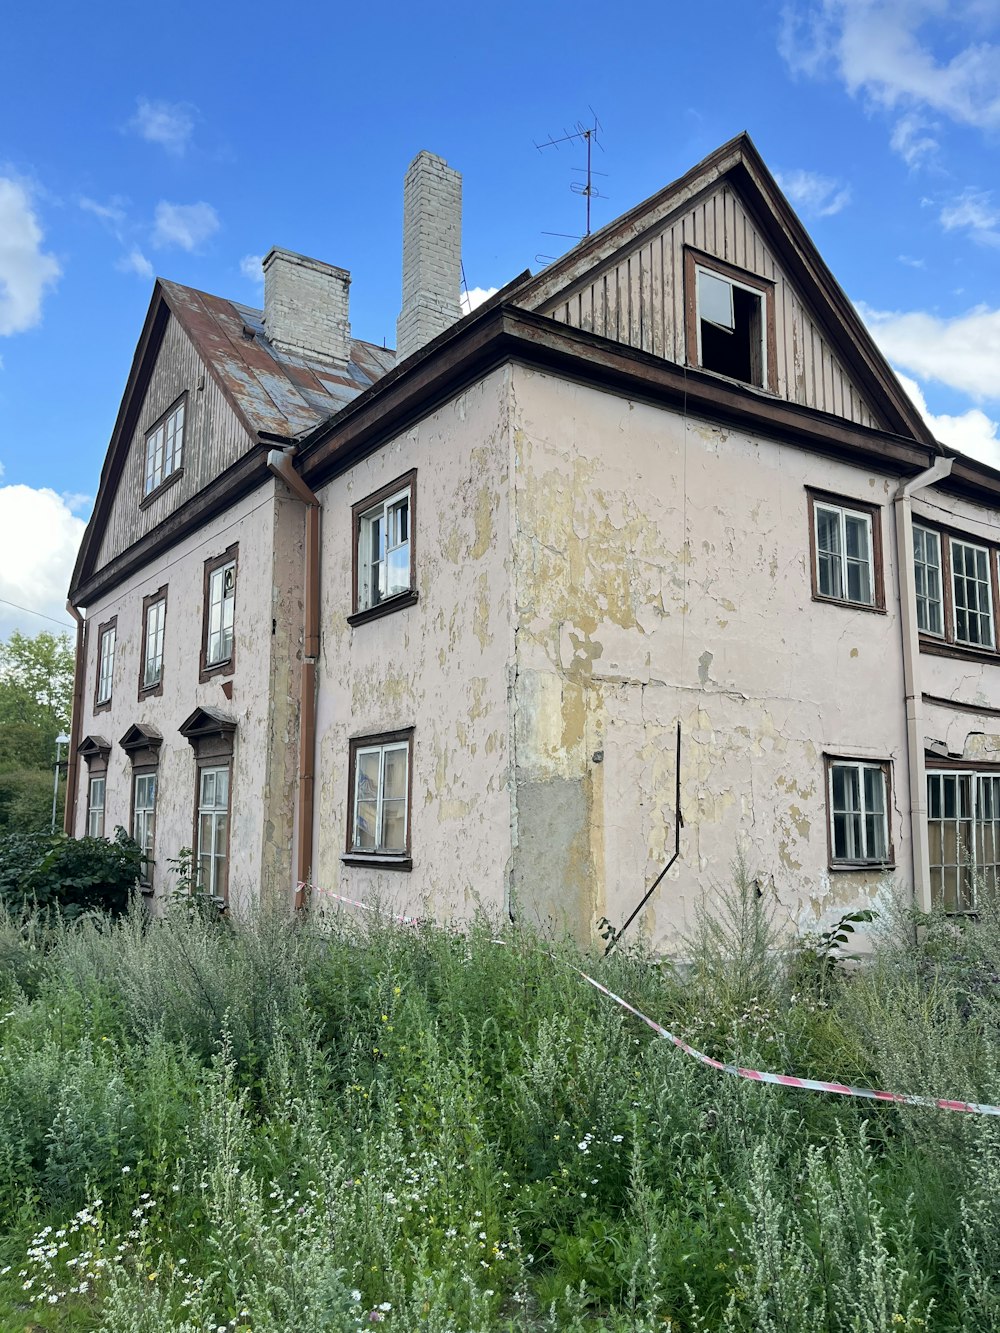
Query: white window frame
(152, 667)
(979, 612)
(165, 448)
(221, 614)
(373, 567)
(927, 570)
(106, 665)
(863, 855)
(733, 284)
(972, 866)
(216, 882)
(144, 787)
(382, 749)
(843, 512)
(96, 795)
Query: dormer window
(165, 448)
(730, 323)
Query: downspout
(279, 461)
(913, 698)
(76, 720)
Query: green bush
(72, 875)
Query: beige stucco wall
(662, 575)
(441, 666)
(262, 786)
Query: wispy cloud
(135, 262)
(971, 432)
(112, 215)
(911, 262)
(169, 124)
(973, 211)
(185, 226)
(252, 267)
(913, 139)
(813, 194)
(962, 352)
(26, 271)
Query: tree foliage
(75, 875)
(36, 691)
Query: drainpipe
(913, 698)
(76, 720)
(279, 461)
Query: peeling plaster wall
(441, 666)
(262, 799)
(662, 574)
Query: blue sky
(186, 140)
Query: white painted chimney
(432, 252)
(306, 306)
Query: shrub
(73, 875)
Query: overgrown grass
(277, 1127)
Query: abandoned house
(653, 533)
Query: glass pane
(208, 786)
(859, 584)
(874, 790)
(394, 825)
(828, 529)
(394, 782)
(222, 788)
(715, 300)
(368, 766)
(830, 576)
(857, 536)
(875, 837)
(398, 578)
(364, 828)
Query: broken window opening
(731, 328)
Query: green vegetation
(36, 688)
(278, 1127)
(72, 875)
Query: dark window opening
(733, 346)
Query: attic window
(165, 447)
(730, 321)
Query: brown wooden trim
(379, 862)
(360, 742)
(408, 481)
(104, 705)
(886, 766)
(207, 670)
(212, 761)
(139, 770)
(397, 603)
(693, 258)
(874, 512)
(934, 647)
(164, 485)
(148, 691)
(960, 705)
(946, 764)
(93, 773)
(946, 644)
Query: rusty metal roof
(275, 393)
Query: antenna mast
(589, 134)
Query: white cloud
(135, 262)
(251, 266)
(112, 214)
(911, 262)
(474, 297)
(974, 212)
(963, 352)
(813, 194)
(972, 433)
(169, 124)
(25, 272)
(875, 48)
(39, 539)
(184, 225)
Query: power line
(65, 623)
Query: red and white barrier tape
(737, 1071)
(306, 887)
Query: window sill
(223, 668)
(164, 485)
(397, 603)
(149, 691)
(103, 707)
(850, 606)
(964, 652)
(862, 865)
(381, 862)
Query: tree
(36, 692)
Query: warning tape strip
(737, 1071)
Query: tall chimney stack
(306, 307)
(432, 252)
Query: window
(95, 807)
(154, 619)
(847, 551)
(380, 798)
(144, 812)
(218, 643)
(963, 835)
(955, 589)
(105, 663)
(383, 550)
(165, 447)
(858, 801)
(212, 844)
(730, 320)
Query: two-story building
(651, 546)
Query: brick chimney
(306, 307)
(432, 252)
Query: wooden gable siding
(638, 299)
(214, 439)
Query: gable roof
(278, 398)
(739, 163)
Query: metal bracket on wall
(678, 825)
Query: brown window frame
(176, 473)
(947, 644)
(92, 777)
(151, 691)
(227, 666)
(874, 514)
(936, 766)
(223, 759)
(212, 737)
(695, 259)
(104, 705)
(95, 751)
(359, 615)
(854, 760)
(385, 860)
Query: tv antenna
(589, 134)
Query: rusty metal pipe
(76, 721)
